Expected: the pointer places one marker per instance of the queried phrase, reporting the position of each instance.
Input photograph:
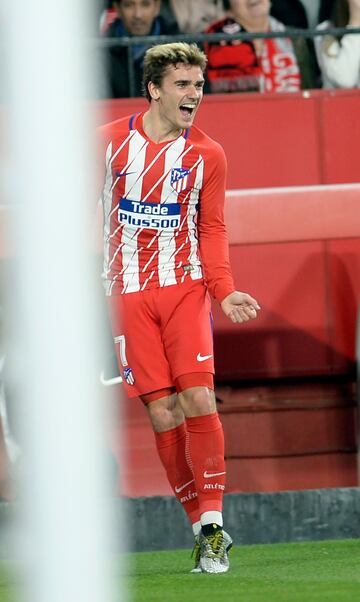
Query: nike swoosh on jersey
(178, 489)
(209, 475)
(202, 358)
(120, 174)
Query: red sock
(171, 446)
(206, 448)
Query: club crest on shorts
(129, 377)
(179, 178)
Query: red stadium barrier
(298, 251)
(292, 214)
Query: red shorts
(161, 334)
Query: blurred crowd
(265, 65)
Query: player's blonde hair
(158, 58)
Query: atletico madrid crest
(179, 178)
(129, 377)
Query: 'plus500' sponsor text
(149, 215)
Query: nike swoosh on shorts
(202, 358)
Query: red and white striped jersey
(163, 210)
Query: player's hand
(240, 307)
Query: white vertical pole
(52, 183)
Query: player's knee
(164, 418)
(198, 401)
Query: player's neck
(157, 129)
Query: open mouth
(187, 110)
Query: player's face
(249, 9)
(138, 15)
(180, 94)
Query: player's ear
(153, 91)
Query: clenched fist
(240, 307)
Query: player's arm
(214, 245)
(213, 241)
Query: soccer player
(166, 250)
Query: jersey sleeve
(213, 240)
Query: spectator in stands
(300, 14)
(339, 57)
(194, 16)
(265, 65)
(134, 18)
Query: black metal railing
(202, 38)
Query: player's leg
(140, 349)
(206, 449)
(168, 422)
(187, 336)
(135, 330)
(192, 453)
